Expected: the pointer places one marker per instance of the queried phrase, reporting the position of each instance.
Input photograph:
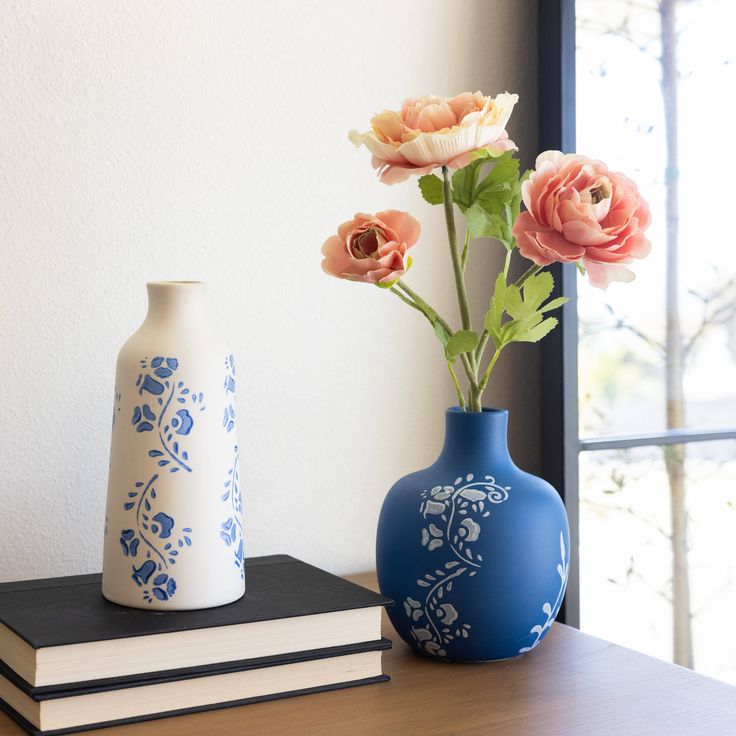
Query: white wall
(186, 140)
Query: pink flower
(371, 248)
(578, 210)
(436, 131)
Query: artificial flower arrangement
(577, 211)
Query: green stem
(460, 397)
(466, 250)
(531, 271)
(481, 347)
(427, 310)
(470, 371)
(424, 306)
(406, 299)
(507, 263)
(475, 402)
(462, 296)
(484, 381)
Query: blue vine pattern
(160, 414)
(231, 530)
(228, 419)
(550, 610)
(453, 515)
(153, 539)
(116, 406)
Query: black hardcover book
(61, 631)
(92, 705)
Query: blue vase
(473, 550)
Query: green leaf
(538, 288)
(536, 333)
(464, 190)
(525, 307)
(463, 185)
(441, 333)
(481, 155)
(481, 224)
(463, 341)
(558, 302)
(514, 304)
(488, 204)
(493, 199)
(506, 169)
(431, 188)
(498, 187)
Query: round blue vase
(473, 551)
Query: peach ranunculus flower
(436, 131)
(371, 248)
(579, 211)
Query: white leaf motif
(432, 507)
(470, 530)
(473, 494)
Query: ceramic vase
(473, 550)
(173, 525)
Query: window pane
(621, 120)
(627, 552)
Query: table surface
(573, 684)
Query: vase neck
(477, 435)
(176, 303)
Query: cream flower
(435, 131)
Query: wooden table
(572, 685)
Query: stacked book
(71, 661)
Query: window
(647, 382)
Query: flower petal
(407, 228)
(601, 275)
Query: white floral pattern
(548, 609)
(454, 514)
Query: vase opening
(173, 283)
(477, 433)
(182, 302)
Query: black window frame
(560, 440)
(558, 352)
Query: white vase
(173, 526)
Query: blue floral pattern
(153, 540)
(160, 394)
